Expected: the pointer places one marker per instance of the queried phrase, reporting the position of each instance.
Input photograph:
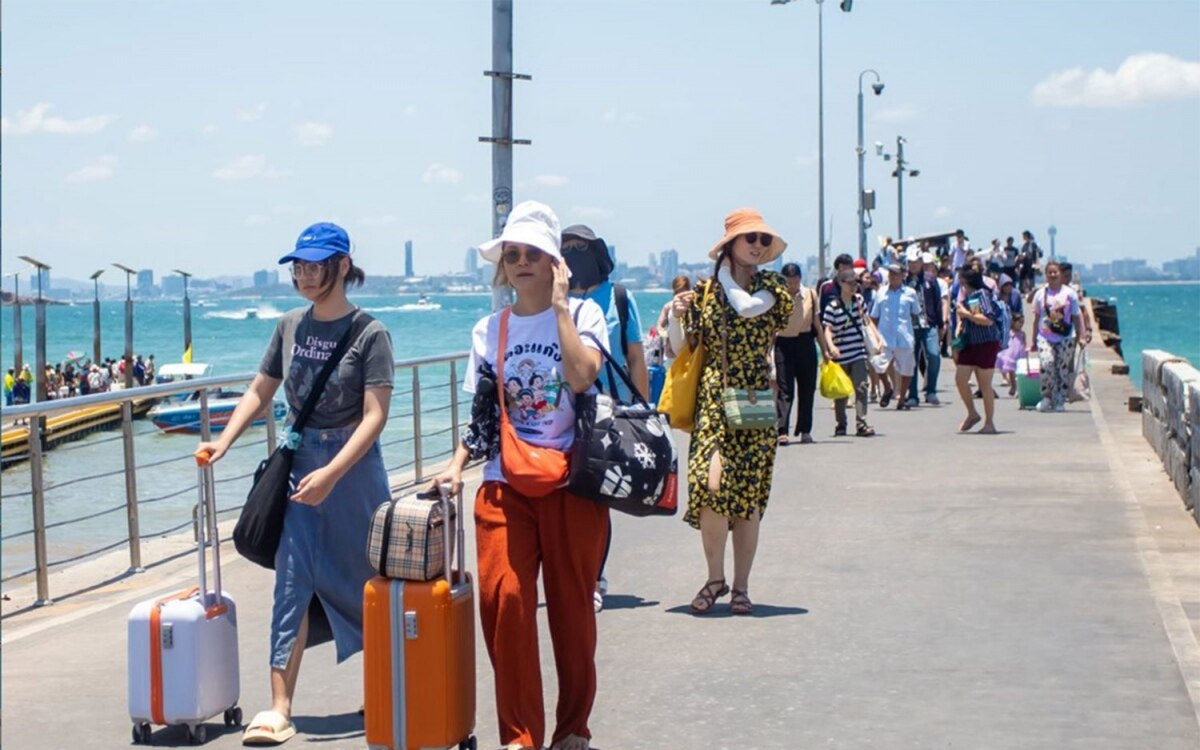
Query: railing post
(39, 511)
(453, 406)
(416, 409)
(131, 503)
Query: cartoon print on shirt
(533, 394)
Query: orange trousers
(565, 536)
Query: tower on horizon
(408, 259)
(471, 267)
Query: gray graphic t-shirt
(298, 350)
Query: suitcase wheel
(199, 735)
(233, 717)
(141, 734)
(469, 743)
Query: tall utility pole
(18, 350)
(877, 87)
(129, 273)
(901, 168)
(96, 316)
(187, 318)
(1053, 232)
(39, 342)
(502, 76)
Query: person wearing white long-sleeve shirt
(958, 251)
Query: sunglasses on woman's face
(512, 256)
(759, 237)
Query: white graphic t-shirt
(537, 395)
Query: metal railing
(423, 398)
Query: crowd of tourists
(730, 358)
(76, 377)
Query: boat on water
(181, 414)
(423, 303)
(251, 312)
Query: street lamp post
(1053, 232)
(96, 317)
(877, 87)
(187, 317)
(18, 350)
(129, 272)
(845, 6)
(39, 342)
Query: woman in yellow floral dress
(729, 471)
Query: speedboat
(182, 414)
(423, 303)
(251, 312)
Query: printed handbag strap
(357, 325)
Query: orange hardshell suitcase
(419, 657)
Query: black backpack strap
(622, 297)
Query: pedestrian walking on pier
(796, 357)
(896, 311)
(551, 346)
(1057, 317)
(729, 470)
(844, 322)
(337, 470)
(978, 341)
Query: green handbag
(745, 408)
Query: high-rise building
(172, 285)
(263, 278)
(669, 259)
(471, 267)
(145, 282)
(408, 259)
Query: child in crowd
(1006, 361)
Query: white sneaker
(1045, 406)
(598, 595)
(1060, 408)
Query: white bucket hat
(529, 223)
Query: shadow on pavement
(626, 601)
(721, 611)
(330, 728)
(177, 736)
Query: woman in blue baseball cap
(337, 471)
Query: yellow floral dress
(747, 456)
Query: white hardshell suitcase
(183, 648)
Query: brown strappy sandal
(740, 603)
(706, 597)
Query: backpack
(1004, 321)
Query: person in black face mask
(591, 265)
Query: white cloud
(255, 220)
(903, 113)
(613, 114)
(100, 168)
(440, 173)
(254, 113)
(313, 133)
(247, 167)
(942, 212)
(209, 129)
(1144, 77)
(142, 134)
(591, 212)
(35, 121)
(379, 221)
(410, 110)
(550, 180)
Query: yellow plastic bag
(678, 398)
(835, 383)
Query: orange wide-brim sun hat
(744, 221)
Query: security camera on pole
(898, 173)
(865, 203)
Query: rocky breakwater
(1171, 420)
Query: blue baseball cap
(319, 242)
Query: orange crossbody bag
(529, 469)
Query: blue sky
(205, 135)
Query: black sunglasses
(759, 237)
(513, 255)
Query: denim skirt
(321, 565)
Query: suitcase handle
(206, 518)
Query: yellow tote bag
(835, 383)
(678, 398)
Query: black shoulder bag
(260, 525)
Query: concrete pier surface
(919, 589)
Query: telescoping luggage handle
(206, 521)
(443, 492)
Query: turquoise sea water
(86, 476)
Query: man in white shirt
(894, 309)
(958, 251)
